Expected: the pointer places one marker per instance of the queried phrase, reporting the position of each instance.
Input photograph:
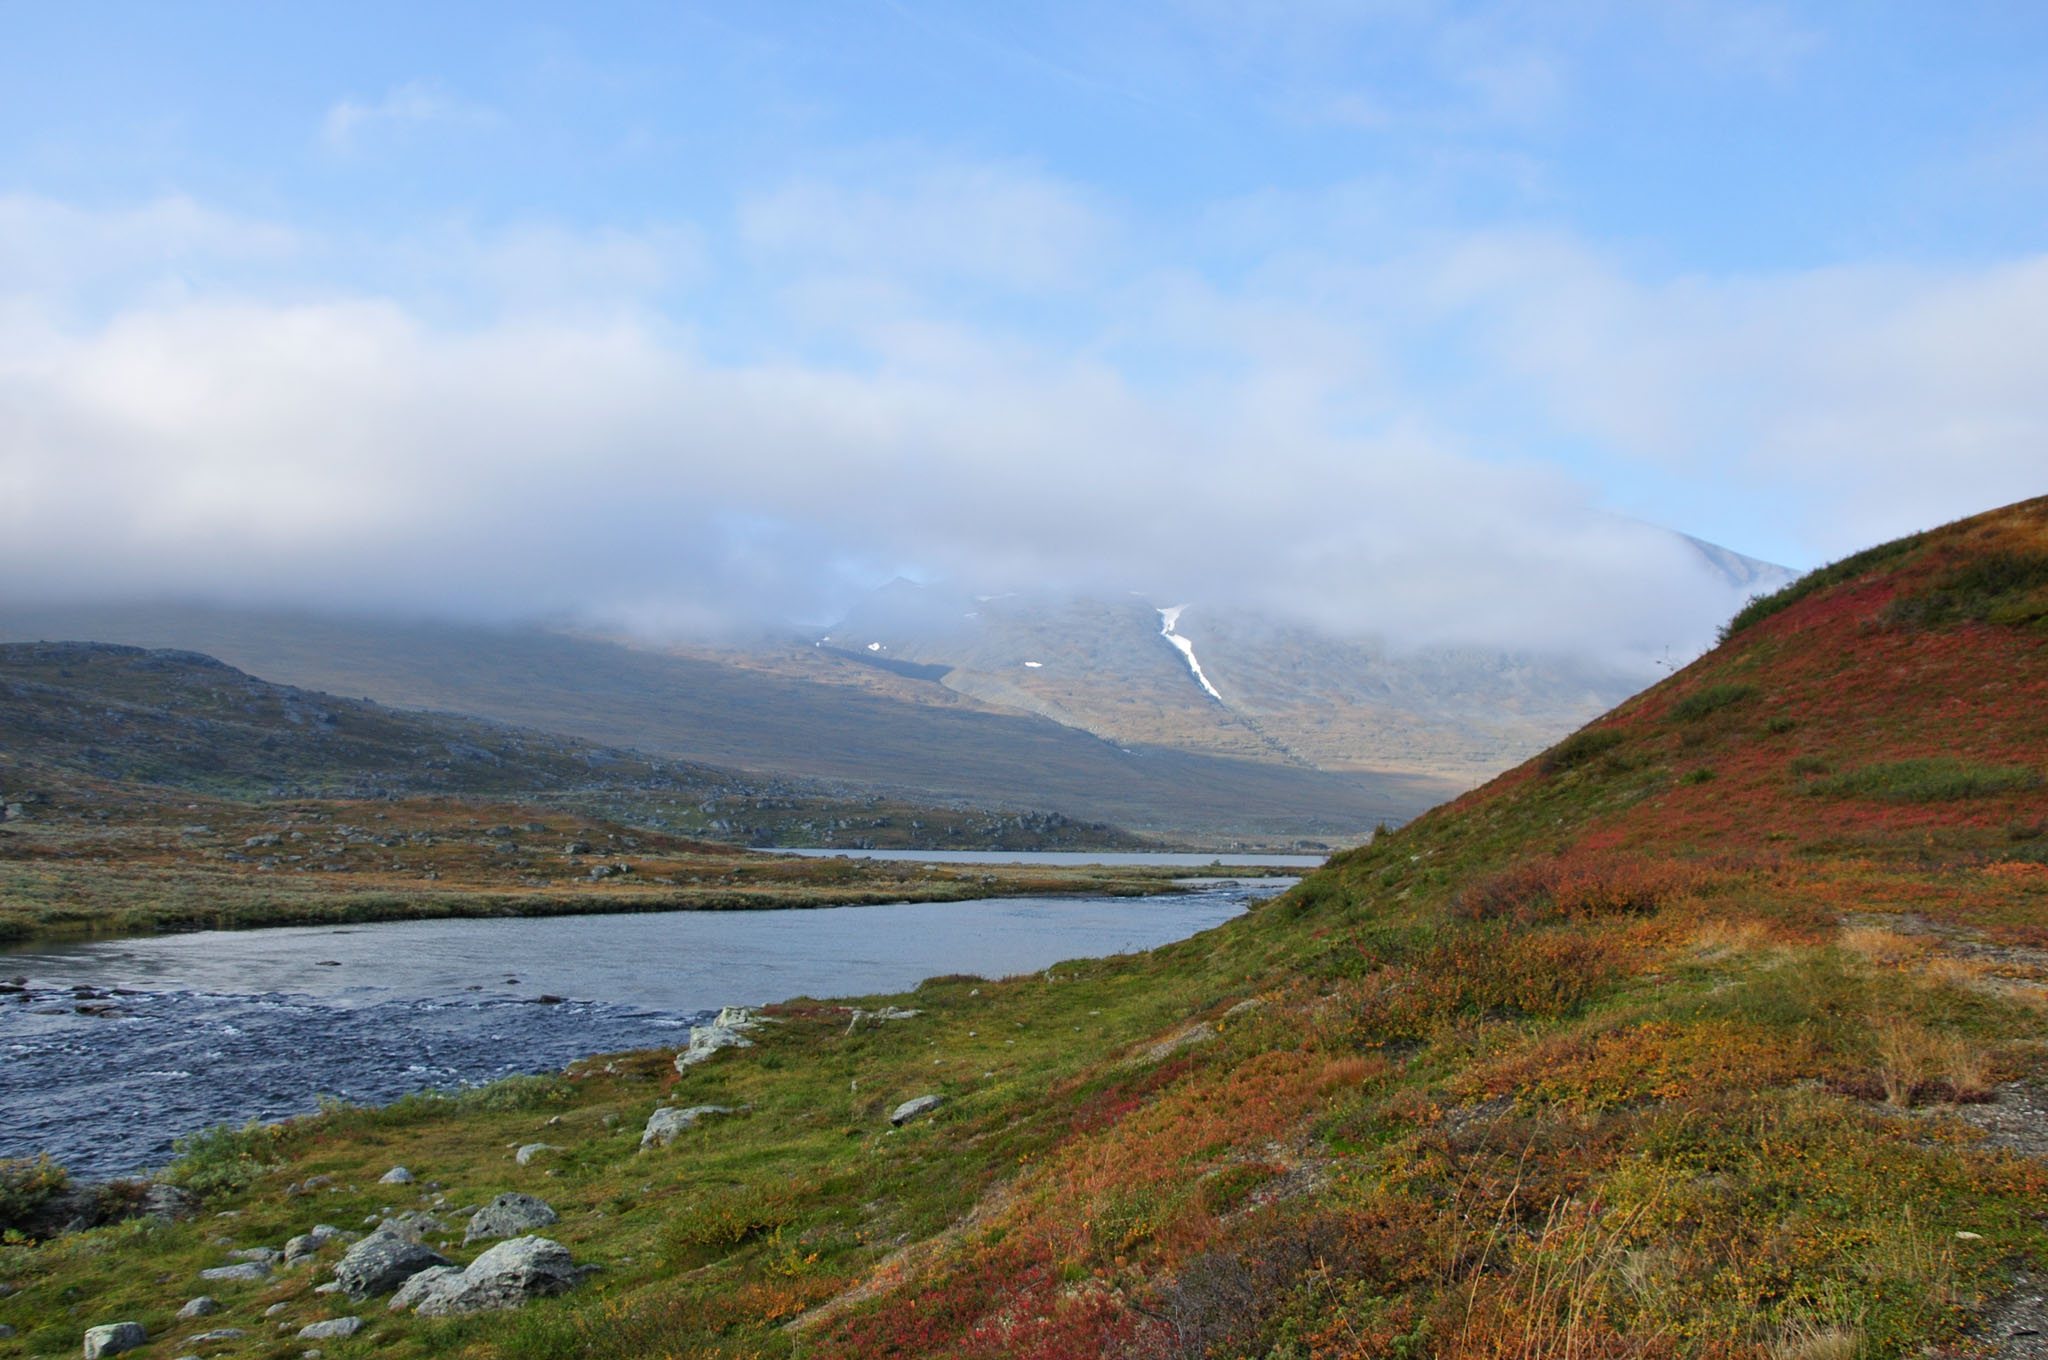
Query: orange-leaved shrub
(1551, 889)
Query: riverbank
(229, 866)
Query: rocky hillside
(1718, 1029)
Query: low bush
(1580, 747)
(223, 1159)
(1934, 779)
(26, 1185)
(1713, 698)
(1554, 890)
(2008, 588)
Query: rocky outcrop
(506, 1276)
(382, 1262)
(114, 1338)
(707, 1040)
(664, 1124)
(508, 1216)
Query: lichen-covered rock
(506, 1276)
(429, 1283)
(113, 1338)
(706, 1041)
(509, 1215)
(664, 1124)
(911, 1109)
(381, 1262)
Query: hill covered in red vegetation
(1720, 1029)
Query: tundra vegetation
(1601, 1059)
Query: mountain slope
(935, 746)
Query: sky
(1404, 318)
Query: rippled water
(216, 1026)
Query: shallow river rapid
(116, 1046)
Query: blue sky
(1377, 313)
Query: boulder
(307, 1243)
(246, 1271)
(509, 1215)
(707, 1040)
(506, 1276)
(533, 1150)
(381, 1262)
(412, 1226)
(333, 1329)
(114, 1338)
(397, 1175)
(430, 1283)
(203, 1306)
(664, 1124)
(169, 1202)
(911, 1109)
(264, 1256)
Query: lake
(225, 1026)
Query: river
(116, 1045)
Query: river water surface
(118, 1045)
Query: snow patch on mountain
(1167, 619)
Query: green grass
(1934, 779)
(1713, 698)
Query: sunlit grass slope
(1682, 1039)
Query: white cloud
(1321, 440)
(412, 104)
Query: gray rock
(397, 1175)
(506, 1276)
(427, 1284)
(113, 1338)
(911, 1109)
(706, 1041)
(307, 1243)
(6, 1332)
(509, 1215)
(331, 1287)
(334, 1329)
(381, 1262)
(411, 1226)
(169, 1202)
(664, 1124)
(533, 1150)
(274, 1309)
(247, 1270)
(219, 1334)
(203, 1306)
(268, 1256)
